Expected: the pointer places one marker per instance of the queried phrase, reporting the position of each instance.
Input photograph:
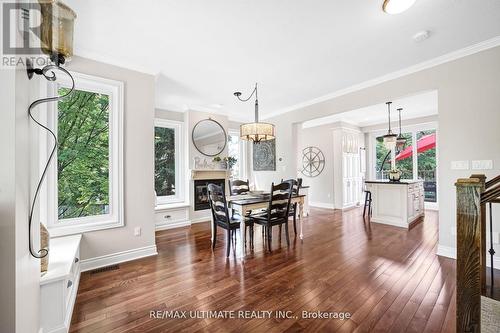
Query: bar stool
(368, 202)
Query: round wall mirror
(209, 137)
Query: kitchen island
(399, 204)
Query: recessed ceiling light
(421, 36)
(397, 6)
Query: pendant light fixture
(389, 138)
(256, 131)
(400, 140)
(56, 32)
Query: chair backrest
(238, 186)
(218, 203)
(279, 200)
(296, 184)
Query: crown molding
(476, 48)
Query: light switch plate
(459, 165)
(482, 165)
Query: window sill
(58, 231)
(168, 206)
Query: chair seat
(262, 219)
(234, 223)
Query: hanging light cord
(238, 94)
(246, 99)
(48, 73)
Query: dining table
(244, 203)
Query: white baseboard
(321, 205)
(201, 220)
(451, 252)
(181, 224)
(116, 258)
(166, 226)
(446, 251)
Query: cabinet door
(411, 208)
(345, 199)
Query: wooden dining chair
(237, 186)
(296, 185)
(277, 211)
(221, 217)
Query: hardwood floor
(389, 280)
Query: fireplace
(201, 192)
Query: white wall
(139, 113)
(20, 272)
(469, 120)
(321, 190)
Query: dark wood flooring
(389, 280)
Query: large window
(168, 160)
(427, 163)
(236, 149)
(415, 162)
(85, 186)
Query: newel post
(469, 254)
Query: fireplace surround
(201, 192)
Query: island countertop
(402, 182)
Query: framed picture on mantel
(264, 156)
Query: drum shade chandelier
(256, 131)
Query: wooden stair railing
(472, 196)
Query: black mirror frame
(223, 131)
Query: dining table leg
(301, 212)
(243, 213)
(212, 229)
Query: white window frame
(413, 129)
(179, 196)
(242, 158)
(115, 217)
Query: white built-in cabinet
(59, 286)
(348, 178)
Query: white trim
(174, 225)
(322, 205)
(118, 257)
(159, 208)
(115, 217)
(446, 251)
(201, 220)
(181, 224)
(180, 174)
(451, 252)
(482, 46)
(242, 153)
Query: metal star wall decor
(313, 162)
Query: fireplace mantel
(209, 174)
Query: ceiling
(417, 106)
(202, 51)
